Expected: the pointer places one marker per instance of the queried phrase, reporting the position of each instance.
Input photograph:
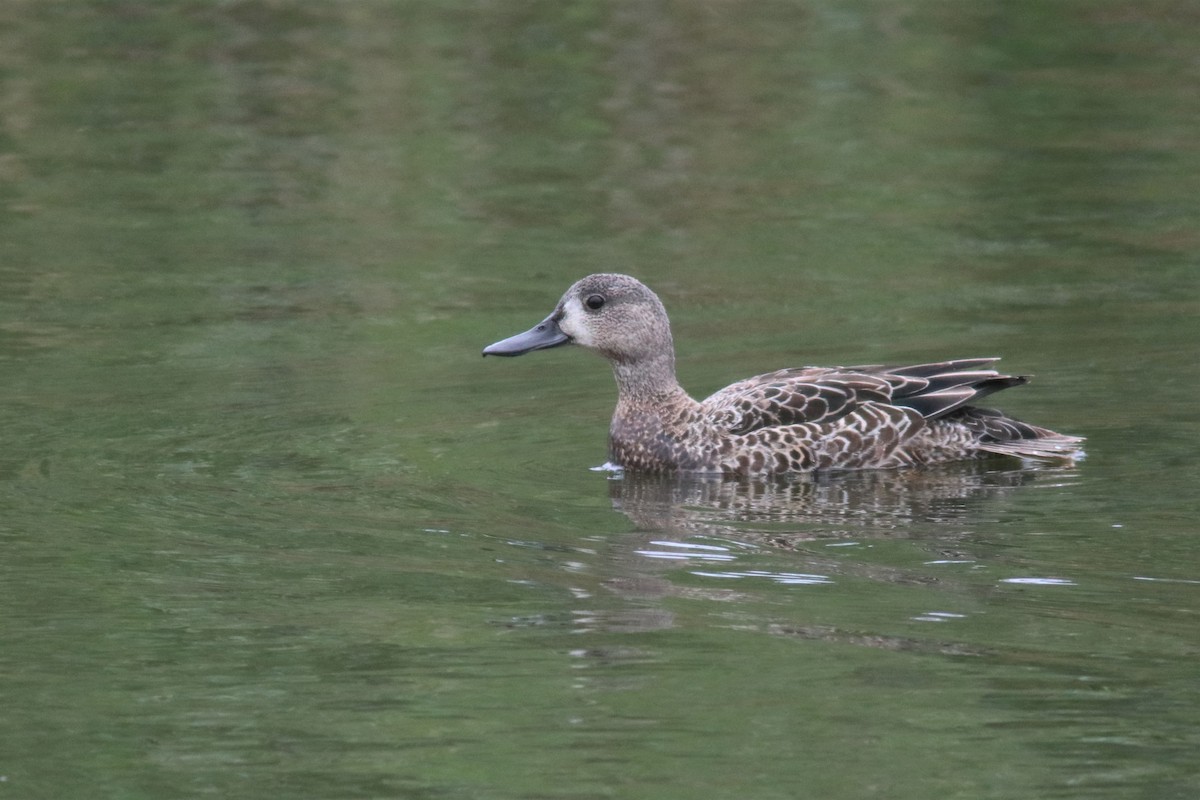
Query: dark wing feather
(825, 394)
(934, 390)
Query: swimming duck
(791, 420)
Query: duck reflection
(720, 532)
(782, 512)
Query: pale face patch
(575, 323)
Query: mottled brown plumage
(792, 420)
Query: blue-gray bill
(544, 335)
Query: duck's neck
(651, 417)
(648, 382)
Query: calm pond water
(271, 528)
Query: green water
(269, 526)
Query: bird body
(788, 421)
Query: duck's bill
(542, 336)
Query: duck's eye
(594, 301)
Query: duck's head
(615, 315)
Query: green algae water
(269, 526)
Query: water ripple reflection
(782, 512)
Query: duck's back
(871, 417)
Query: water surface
(271, 528)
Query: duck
(797, 420)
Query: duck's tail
(1011, 437)
(1055, 447)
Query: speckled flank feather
(792, 420)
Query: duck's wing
(934, 390)
(825, 394)
(793, 396)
